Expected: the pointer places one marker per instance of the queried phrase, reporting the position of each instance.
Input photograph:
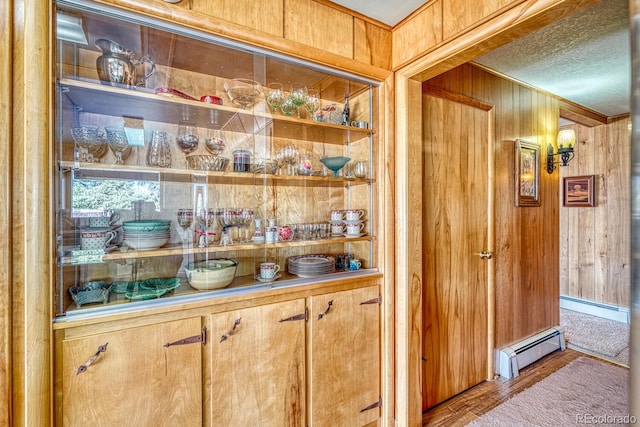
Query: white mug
(353, 214)
(96, 239)
(337, 229)
(268, 270)
(356, 228)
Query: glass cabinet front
(189, 166)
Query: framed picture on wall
(527, 166)
(579, 191)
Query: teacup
(353, 214)
(354, 264)
(104, 221)
(337, 229)
(96, 239)
(337, 215)
(271, 234)
(355, 229)
(361, 125)
(268, 270)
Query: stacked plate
(311, 265)
(146, 234)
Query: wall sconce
(566, 142)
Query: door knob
(485, 255)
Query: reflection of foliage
(113, 194)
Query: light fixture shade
(566, 139)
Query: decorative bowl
(146, 225)
(266, 166)
(205, 162)
(335, 163)
(243, 93)
(211, 274)
(90, 292)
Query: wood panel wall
(320, 24)
(526, 246)
(595, 241)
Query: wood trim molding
(455, 97)
(582, 115)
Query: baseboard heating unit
(515, 357)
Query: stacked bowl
(146, 234)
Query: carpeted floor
(600, 337)
(586, 391)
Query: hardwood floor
(466, 407)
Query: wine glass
(288, 107)
(275, 95)
(118, 143)
(246, 214)
(89, 141)
(213, 140)
(288, 156)
(298, 95)
(313, 102)
(187, 137)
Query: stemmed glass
(187, 138)
(185, 219)
(246, 215)
(90, 142)
(313, 102)
(118, 143)
(275, 95)
(288, 107)
(213, 140)
(287, 156)
(298, 95)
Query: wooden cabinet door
(344, 358)
(258, 366)
(136, 380)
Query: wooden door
(344, 358)
(456, 209)
(136, 380)
(258, 366)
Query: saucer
(354, 235)
(260, 279)
(353, 221)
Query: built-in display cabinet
(215, 225)
(185, 161)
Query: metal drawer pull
(190, 340)
(301, 316)
(376, 300)
(231, 331)
(377, 404)
(83, 368)
(321, 315)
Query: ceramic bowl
(211, 274)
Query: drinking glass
(288, 107)
(246, 214)
(159, 152)
(118, 143)
(313, 102)
(187, 137)
(213, 140)
(89, 141)
(275, 95)
(298, 95)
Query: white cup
(271, 234)
(337, 229)
(337, 215)
(355, 229)
(103, 221)
(268, 270)
(96, 239)
(353, 214)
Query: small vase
(258, 236)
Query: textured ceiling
(389, 12)
(584, 58)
